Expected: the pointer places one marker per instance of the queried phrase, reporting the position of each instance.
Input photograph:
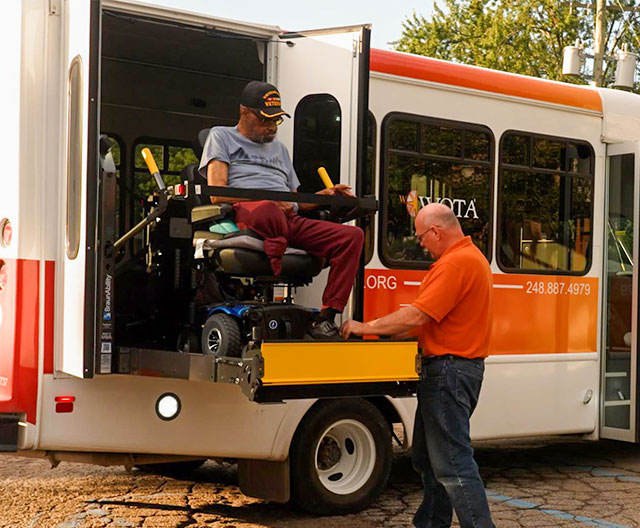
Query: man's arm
(218, 176)
(397, 322)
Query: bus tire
(340, 457)
(221, 336)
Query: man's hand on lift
(394, 324)
(352, 328)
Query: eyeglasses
(421, 235)
(266, 121)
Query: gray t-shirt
(251, 165)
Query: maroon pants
(340, 244)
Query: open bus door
(81, 28)
(618, 400)
(333, 62)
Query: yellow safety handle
(324, 176)
(153, 168)
(148, 158)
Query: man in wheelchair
(249, 156)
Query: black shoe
(323, 329)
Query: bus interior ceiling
(161, 83)
(168, 81)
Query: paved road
(533, 484)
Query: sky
(294, 15)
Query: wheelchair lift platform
(273, 371)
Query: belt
(426, 359)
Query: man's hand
(340, 189)
(352, 328)
(287, 208)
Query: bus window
(316, 143)
(545, 194)
(369, 185)
(432, 160)
(74, 159)
(118, 153)
(170, 157)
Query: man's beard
(261, 138)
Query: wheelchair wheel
(221, 336)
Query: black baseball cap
(263, 98)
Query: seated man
(248, 156)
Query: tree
(519, 36)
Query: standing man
(453, 312)
(249, 156)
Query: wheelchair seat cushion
(241, 254)
(244, 239)
(240, 262)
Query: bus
(95, 364)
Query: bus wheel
(221, 336)
(340, 457)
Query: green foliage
(519, 36)
(175, 159)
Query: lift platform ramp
(273, 371)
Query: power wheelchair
(228, 298)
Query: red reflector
(65, 399)
(64, 407)
(4, 275)
(180, 189)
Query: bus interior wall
(161, 83)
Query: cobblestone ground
(533, 484)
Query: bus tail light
(64, 404)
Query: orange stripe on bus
(532, 314)
(428, 69)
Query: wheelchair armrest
(211, 213)
(317, 214)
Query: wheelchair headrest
(198, 143)
(191, 173)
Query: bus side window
(426, 161)
(316, 140)
(545, 194)
(118, 153)
(170, 156)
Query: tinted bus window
(427, 160)
(316, 141)
(545, 194)
(74, 159)
(171, 158)
(369, 185)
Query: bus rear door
(323, 77)
(81, 28)
(620, 296)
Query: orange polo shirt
(456, 294)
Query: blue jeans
(441, 453)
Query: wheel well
(381, 403)
(386, 409)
